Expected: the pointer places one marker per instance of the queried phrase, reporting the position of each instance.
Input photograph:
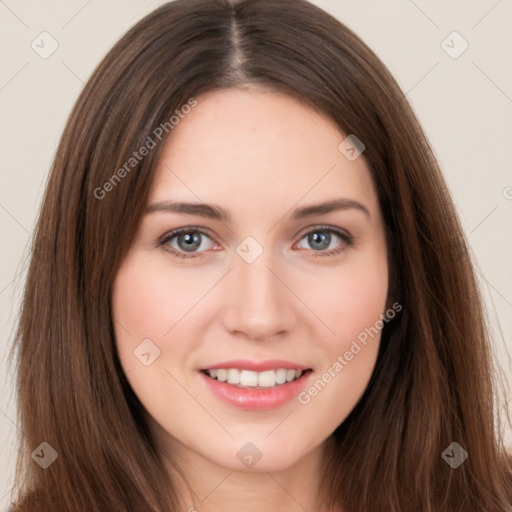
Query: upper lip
(257, 366)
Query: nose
(259, 304)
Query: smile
(254, 380)
(256, 386)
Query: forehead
(253, 149)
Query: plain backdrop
(462, 97)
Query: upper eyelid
(320, 227)
(178, 231)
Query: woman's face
(261, 282)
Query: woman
(249, 286)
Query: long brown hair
(434, 382)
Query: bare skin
(259, 155)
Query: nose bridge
(259, 304)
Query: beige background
(464, 105)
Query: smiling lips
(256, 385)
(250, 379)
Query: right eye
(186, 242)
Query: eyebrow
(218, 213)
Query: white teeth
(281, 376)
(267, 379)
(290, 375)
(233, 376)
(247, 378)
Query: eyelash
(346, 237)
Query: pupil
(192, 241)
(319, 240)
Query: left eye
(320, 240)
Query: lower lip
(256, 399)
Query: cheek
(146, 304)
(354, 300)
(139, 308)
(352, 305)
(148, 300)
(360, 297)
(151, 303)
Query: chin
(260, 454)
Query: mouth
(254, 385)
(248, 379)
